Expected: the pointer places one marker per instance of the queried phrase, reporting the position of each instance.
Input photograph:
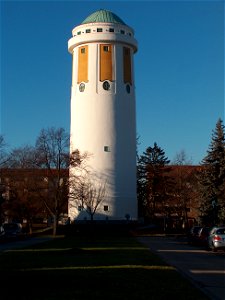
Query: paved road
(204, 268)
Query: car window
(195, 229)
(10, 226)
(221, 231)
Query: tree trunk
(54, 225)
(29, 227)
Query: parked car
(193, 234)
(216, 238)
(13, 230)
(63, 221)
(203, 235)
(2, 233)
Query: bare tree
(95, 194)
(87, 193)
(23, 158)
(3, 152)
(184, 192)
(181, 158)
(52, 154)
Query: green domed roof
(103, 16)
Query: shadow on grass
(87, 268)
(102, 283)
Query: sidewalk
(205, 269)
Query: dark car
(203, 235)
(13, 230)
(2, 233)
(193, 235)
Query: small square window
(82, 50)
(80, 208)
(88, 30)
(79, 32)
(106, 208)
(122, 31)
(111, 29)
(106, 48)
(99, 29)
(106, 149)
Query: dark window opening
(106, 149)
(106, 208)
(106, 48)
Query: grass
(90, 268)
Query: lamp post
(215, 208)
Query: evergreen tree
(212, 178)
(152, 180)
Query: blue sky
(179, 69)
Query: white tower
(103, 121)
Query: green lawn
(90, 268)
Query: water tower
(103, 118)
